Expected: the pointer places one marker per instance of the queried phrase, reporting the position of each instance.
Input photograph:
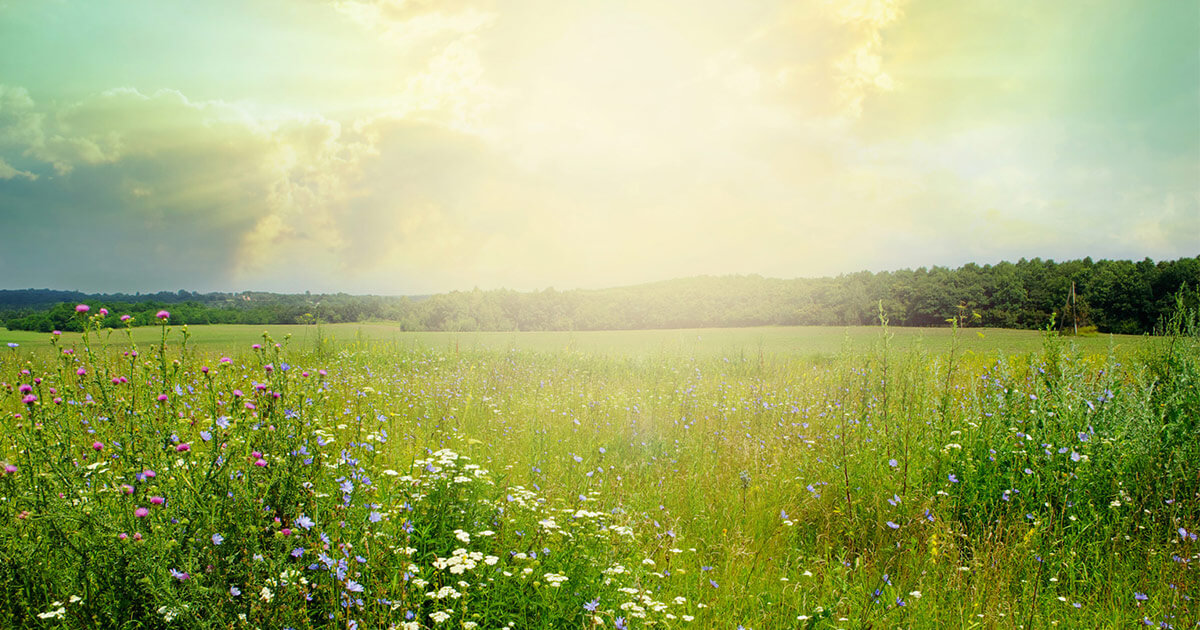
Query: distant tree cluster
(1117, 296)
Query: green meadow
(356, 476)
(794, 342)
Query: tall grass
(378, 486)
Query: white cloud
(7, 171)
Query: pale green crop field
(784, 341)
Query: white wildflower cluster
(58, 609)
(324, 436)
(444, 464)
(555, 580)
(615, 569)
(459, 562)
(169, 613)
(641, 601)
(522, 497)
(288, 576)
(621, 530)
(446, 592)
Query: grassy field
(782, 341)
(754, 478)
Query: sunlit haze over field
(404, 147)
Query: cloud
(586, 144)
(20, 124)
(20, 129)
(218, 197)
(861, 69)
(8, 172)
(205, 189)
(813, 59)
(412, 24)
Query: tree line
(1118, 296)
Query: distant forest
(1117, 296)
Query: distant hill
(1118, 296)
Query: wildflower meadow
(372, 485)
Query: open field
(783, 341)
(757, 478)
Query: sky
(422, 146)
